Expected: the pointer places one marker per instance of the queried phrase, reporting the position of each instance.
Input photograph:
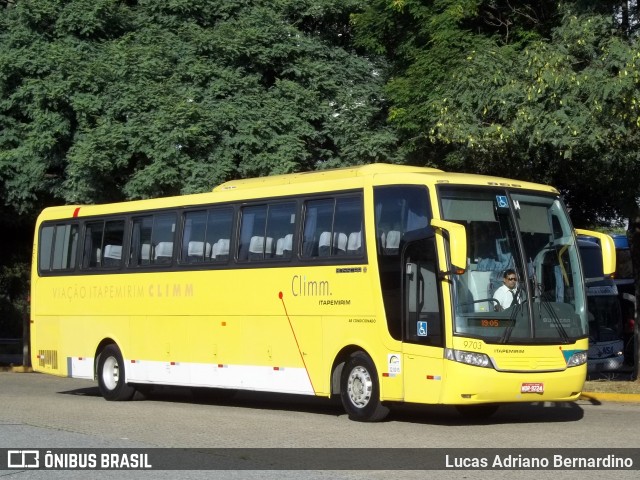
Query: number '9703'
(472, 344)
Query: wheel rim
(110, 373)
(360, 387)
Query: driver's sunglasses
(511, 279)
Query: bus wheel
(477, 412)
(360, 390)
(111, 375)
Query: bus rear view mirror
(608, 248)
(457, 243)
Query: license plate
(532, 388)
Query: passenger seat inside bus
(284, 246)
(163, 252)
(220, 250)
(198, 251)
(340, 241)
(391, 243)
(324, 244)
(112, 255)
(145, 254)
(354, 245)
(479, 287)
(326, 247)
(259, 248)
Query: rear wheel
(360, 390)
(111, 375)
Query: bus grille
(532, 364)
(48, 358)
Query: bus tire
(360, 389)
(111, 375)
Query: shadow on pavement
(523, 413)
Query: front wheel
(360, 390)
(111, 375)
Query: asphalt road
(41, 411)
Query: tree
(542, 91)
(107, 100)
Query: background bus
(625, 283)
(362, 283)
(606, 341)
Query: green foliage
(563, 112)
(542, 91)
(108, 100)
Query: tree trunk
(26, 339)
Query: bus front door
(423, 328)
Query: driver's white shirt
(504, 296)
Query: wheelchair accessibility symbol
(422, 329)
(502, 201)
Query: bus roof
(336, 179)
(322, 175)
(375, 169)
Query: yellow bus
(372, 283)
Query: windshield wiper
(539, 294)
(554, 317)
(506, 335)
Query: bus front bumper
(479, 385)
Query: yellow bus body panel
(282, 328)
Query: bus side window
(280, 227)
(140, 253)
(252, 244)
(347, 224)
(44, 248)
(333, 227)
(152, 239)
(194, 247)
(266, 232)
(316, 237)
(219, 225)
(112, 243)
(58, 247)
(92, 252)
(103, 244)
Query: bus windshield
(521, 284)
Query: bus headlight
(578, 358)
(469, 358)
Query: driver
(508, 293)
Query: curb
(610, 397)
